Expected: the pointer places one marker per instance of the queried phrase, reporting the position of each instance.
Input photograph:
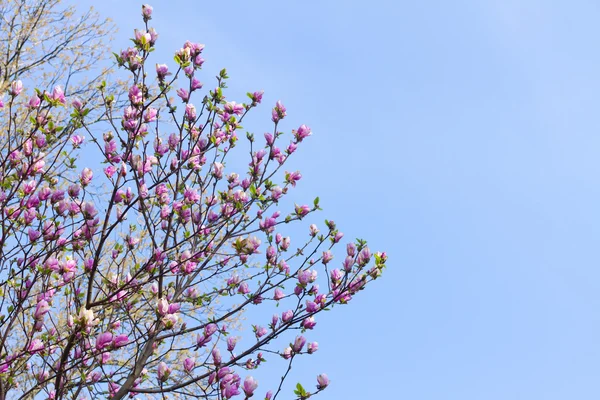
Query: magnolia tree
(45, 43)
(48, 43)
(128, 279)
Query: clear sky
(463, 138)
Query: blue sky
(461, 137)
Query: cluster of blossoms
(137, 288)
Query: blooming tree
(45, 43)
(129, 280)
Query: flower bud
(323, 381)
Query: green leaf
(300, 391)
(118, 58)
(252, 189)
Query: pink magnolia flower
(95, 376)
(279, 112)
(162, 306)
(244, 288)
(305, 277)
(260, 331)
(233, 108)
(33, 234)
(132, 241)
(274, 320)
(41, 376)
(89, 211)
(74, 191)
(15, 88)
(40, 141)
(363, 257)
(150, 114)
(190, 112)
(86, 317)
(163, 372)
(189, 364)
(105, 357)
(302, 133)
(194, 48)
(34, 102)
(86, 176)
(43, 117)
(230, 389)
(231, 342)
(216, 355)
(68, 266)
(41, 309)
(198, 61)
(351, 249)
(311, 306)
(323, 381)
(58, 95)
(287, 353)
(183, 94)
(271, 254)
(250, 385)
(113, 388)
(302, 210)
(135, 95)
(287, 316)
(278, 294)
(268, 224)
(77, 104)
(162, 71)
(292, 177)
(170, 320)
(285, 243)
(327, 257)
(348, 263)
(33, 201)
(153, 36)
(217, 170)
(52, 264)
(174, 307)
(28, 147)
(336, 275)
(257, 97)
(210, 329)
(298, 344)
(196, 84)
(202, 340)
(103, 340)
(269, 139)
(291, 148)
(120, 341)
(147, 12)
(35, 346)
(309, 323)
